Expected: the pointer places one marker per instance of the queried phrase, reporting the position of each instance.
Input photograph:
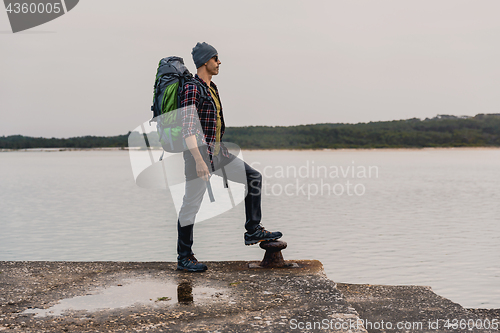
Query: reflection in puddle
(184, 292)
(132, 292)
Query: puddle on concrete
(128, 293)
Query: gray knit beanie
(202, 53)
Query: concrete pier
(229, 297)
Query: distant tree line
(483, 130)
(23, 142)
(441, 131)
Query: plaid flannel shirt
(206, 113)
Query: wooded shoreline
(482, 130)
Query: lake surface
(425, 217)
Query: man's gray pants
(195, 190)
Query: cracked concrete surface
(229, 297)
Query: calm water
(426, 217)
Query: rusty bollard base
(273, 257)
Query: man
(208, 155)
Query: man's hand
(201, 167)
(202, 170)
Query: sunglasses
(216, 58)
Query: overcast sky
(91, 71)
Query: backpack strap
(203, 94)
(155, 97)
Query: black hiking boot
(190, 264)
(260, 234)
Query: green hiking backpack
(171, 77)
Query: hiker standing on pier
(211, 156)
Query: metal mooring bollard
(273, 257)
